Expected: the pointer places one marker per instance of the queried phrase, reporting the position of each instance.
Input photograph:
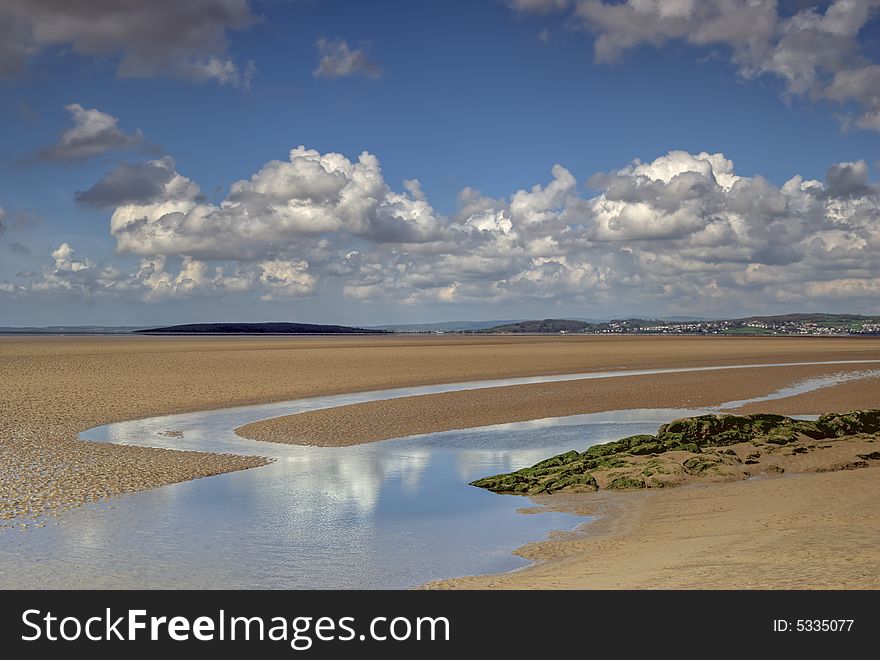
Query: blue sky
(481, 95)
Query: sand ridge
(395, 418)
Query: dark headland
(259, 329)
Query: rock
(843, 424)
(706, 438)
(531, 481)
(837, 467)
(561, 459)
(781, 438)
(699, 464)
(625, 483)
(573, 483)
(647, 448)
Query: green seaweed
(706, 437)
(625, 483)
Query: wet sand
(804, 531)
(54, 388)
(395, 418)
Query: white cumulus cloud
(285, 279)
(816, 53)
(683, 231)
(280, 205)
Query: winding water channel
(389, 514)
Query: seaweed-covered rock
(782, 438)
(838, 425)
(532, 481)
(573, 482)
(647, 448)
(625, 482)
(561, 459)
(716, 430)
(847, 465)
(700, 464)
(706, 438)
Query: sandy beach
(54, 388)
(804, 531)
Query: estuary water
(391, 514)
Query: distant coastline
(73, 330)
(785, 325)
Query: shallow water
(391, 514)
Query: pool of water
(390, 514)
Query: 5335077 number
(813, 625)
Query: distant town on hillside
(787, 324)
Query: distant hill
(687, 319)
(544, 326)
(259, 329)
(783, 324)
